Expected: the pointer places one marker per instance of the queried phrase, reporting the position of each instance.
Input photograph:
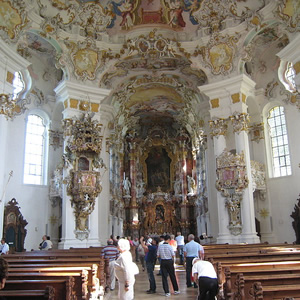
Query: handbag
(135, 268)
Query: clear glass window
(34, 150)
(279, 142)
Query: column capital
(224, 94)
(78, 96)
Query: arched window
(281, 161)
(35, 150)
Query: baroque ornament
(86, 58)
(219, 53)
(231, 182)
(240, 122)
(218, 127)
(289, 12)
(84, 144)
(13, 18)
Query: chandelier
(7, 106)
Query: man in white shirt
(205, 275)
(4, 248)
(166, 254)
(180, 244)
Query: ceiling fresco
(152, 54)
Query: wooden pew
(47, 293)
(64, 288)
(98, 276)
(288, 292)
(239, 279)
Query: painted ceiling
(152, 54)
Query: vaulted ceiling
(152, 55)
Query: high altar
(160, 183)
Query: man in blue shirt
(150, 250)
(191, 250)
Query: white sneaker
(176, 292)
(167, 294)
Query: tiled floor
(142, 285)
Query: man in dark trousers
(167, 257)
(112, 253)
(191, 250)
(205, 275)
(150, 248)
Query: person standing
(141, 254)
(205, 275)
(136, 243)
(173, 243)
(180, 244)
(111, 253)
(4, 248)
(191, 250)
(166, 254)
(150, 258)
(124, 268)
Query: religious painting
(158, 169)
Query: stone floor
(142, 285)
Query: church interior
(126, 118)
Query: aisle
(142, 285)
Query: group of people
(150, 250)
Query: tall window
(34, 150)
(279, 142)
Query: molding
(71, 90)
(291, 52)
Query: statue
(127, 186)
(191, 184)
(140, 189)
(177, 187)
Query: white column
(72, 95)
(249, 234)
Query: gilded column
(134, 214)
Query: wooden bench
(64, 288)
(260, 292)
(239, 279)
(47, 293)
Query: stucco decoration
(231, 182)
(86, 58)
(13, 18)
(213, 13)
(83, 161)
(219, 53)
(152, 52)
(289, 12)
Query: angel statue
(126, 186)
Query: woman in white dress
(125, 270)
